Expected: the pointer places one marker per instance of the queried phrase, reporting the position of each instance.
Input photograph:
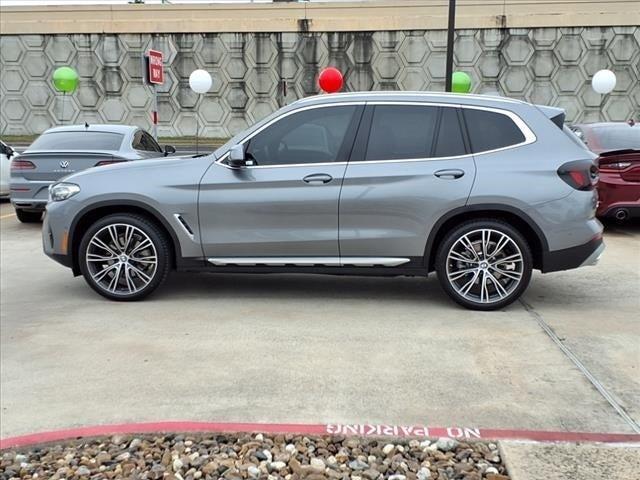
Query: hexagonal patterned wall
(254, 74)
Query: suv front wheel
(484, 264)
(124, 257)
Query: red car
(618, 147)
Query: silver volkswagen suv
(481, 190)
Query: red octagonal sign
(156, 69)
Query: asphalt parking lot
(314, 349)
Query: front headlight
(62, 191)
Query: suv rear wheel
(484, 264)
(26, 216)
(124, 257)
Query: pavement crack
(585, 371)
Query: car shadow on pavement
(304, 286)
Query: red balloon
(330, 80)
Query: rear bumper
(574, 257)
(28, 204)
(627, 210)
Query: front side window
(145, 142)
(311, 136)
(491, 130)
(78, 140)
(401, 132)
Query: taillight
(617, 166)
(107, 162)
(22, 165)
(581, 174)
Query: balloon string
(64, 96)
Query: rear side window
(78, 141)
(449, 142)
(401, 132)
(491, 130)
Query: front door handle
(449, 174)
(317, 179)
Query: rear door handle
(449, 174)
(317, 178)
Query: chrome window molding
(522, 126)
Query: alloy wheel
(121, 259)
(485, 266)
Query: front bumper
(55, 237)
(574, 257)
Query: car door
(410, 165)
(286, 203)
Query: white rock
(188, 443)
(135, 443)
(495, 459)
(414, 444)
(277, 465)
(259, 437)
(253, 471)
(317, 464)
(492, 446)
(446, 444)
(400, 448)
(331, 460)
(425, 443)
(197, 475)
(491, 470)
(423, 474)
(371, 458)
(267, 453)
(177, 465)
(397, 477)
(83, 471)
(290, 448)
(388, 448)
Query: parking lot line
(394, 431)
(7, 216)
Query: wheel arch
(515, 217)
(90, 214)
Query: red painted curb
(317, 429)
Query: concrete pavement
(313, 349)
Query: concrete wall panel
(255, 73)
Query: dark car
(618, 147)
(61, 151)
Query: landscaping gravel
(255, 457)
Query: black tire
(161, 248)
(26, 216)
(476, 267)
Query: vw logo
(64, 164)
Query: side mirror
(9, 152)
(237, 157)
(169, 150)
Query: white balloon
(604, 81)
(200, 81)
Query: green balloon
(460, 82)
(65, 79)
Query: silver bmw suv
(481, 190)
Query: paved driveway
(313, 349)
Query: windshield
(78, 141)
(618, 137)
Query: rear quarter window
(491, 130)
(78, 141)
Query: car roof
(443, 97)
(122, 129)
(606, 125)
